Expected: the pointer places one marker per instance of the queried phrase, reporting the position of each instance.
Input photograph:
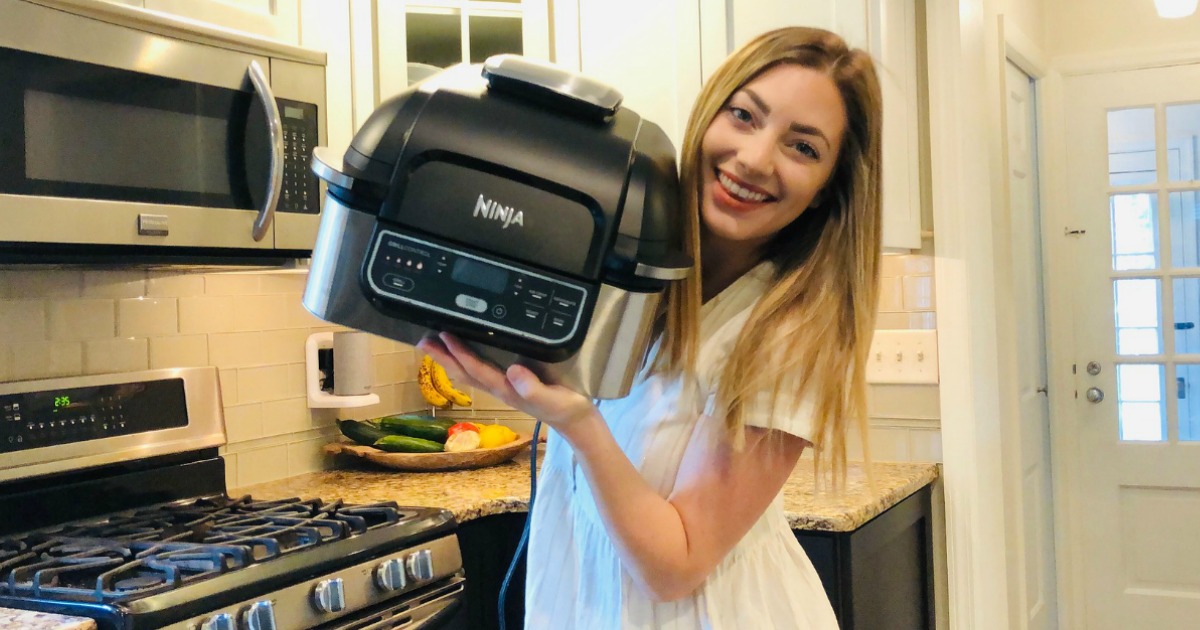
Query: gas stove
(125, 519)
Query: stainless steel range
(113, 506)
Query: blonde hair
(811, 331)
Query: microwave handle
(262, 88)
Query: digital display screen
(479, 275)
(293, 112)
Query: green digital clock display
(61, 401)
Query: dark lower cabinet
(880, 576)
(488, 545)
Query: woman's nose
(756, 154)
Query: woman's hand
(565, 410)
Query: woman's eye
(807, 149)
(740, 114)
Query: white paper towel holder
(317, 397)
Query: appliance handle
(262, 89)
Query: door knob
(1094, 394)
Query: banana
(425, 382)
(441, 382)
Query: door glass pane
(1137, 322)
(1134, 235)
(1187, 391)
(1140, 402)
(1185, 231)
(434, 38)
(1187, 314)
(1131, 147)
(494, 35)
(1183, 129)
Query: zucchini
(422, 427)
(361, 432)
(406, 444)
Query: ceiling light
(1175, 8)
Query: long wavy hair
(808, 337)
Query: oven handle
(262, 89)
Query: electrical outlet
(903, 356)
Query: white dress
(575, 579)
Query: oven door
(117, 136)
(439, 606)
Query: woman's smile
(737, 195)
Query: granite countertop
(10, 618)
(471, 494)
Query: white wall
(1094, 26)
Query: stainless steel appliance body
(131, 133)
(516, 205)
(125, 519)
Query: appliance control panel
(466, 286)
(48, 418)
(300, 192)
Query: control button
(538, 297)
(498, 311)
(563, 303)
(400, 283)
(534, 315)
(470, 303)
(260, 616)
(420, 565)
(330, 596)
(222, 621)
(390, 576)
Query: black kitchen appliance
(517, 205)
(113, 506)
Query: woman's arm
(669, 546)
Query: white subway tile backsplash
(116, 355)
(242, 349)
(260, 312)
(114, 283)
(387, 367)
(76, 320)
(891, 296)
(206, 314)
(233, 284)
(925, 445)
(290, 283)
(243, 422)
(281, 417)
(307, 456)
(23, 320)
(44, 284)
(296, 316)
(44, 359)
(259, 384)
(262, 465)
(918, 293)
(295, 380)
(147, 317)
(229, 389)
(178, 351)
(174, 284)
(283, 346)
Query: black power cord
(512, 567)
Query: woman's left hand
(518, 387)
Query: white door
(1034, 521)
(1131, 182)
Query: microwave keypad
(469, 287)
(300, 189)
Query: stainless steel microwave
(130, 135)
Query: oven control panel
(466, 286)
(300, 193)
(38, 419)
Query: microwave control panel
(49, 418)
(300, 192)
(468, 287)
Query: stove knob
(389, 575)
(420, 565)
(330, 596)
(222, 621)
(260, 616)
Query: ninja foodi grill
(518, 206)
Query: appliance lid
(524, 161)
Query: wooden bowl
(462, 460)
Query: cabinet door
(274, 19)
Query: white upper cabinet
(273, 19)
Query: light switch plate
(903, 357)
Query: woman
(663, 509)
